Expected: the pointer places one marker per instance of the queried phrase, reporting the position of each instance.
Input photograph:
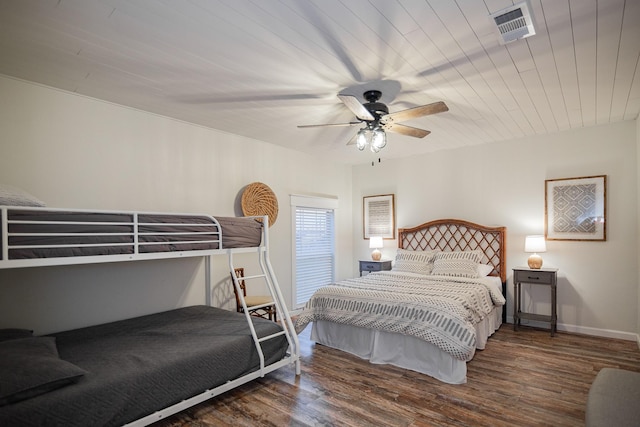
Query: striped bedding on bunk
(53, 233)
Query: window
(314, 243)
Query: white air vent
(514, 23)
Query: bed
(135, 371)
(122, 371)
(442, 300)
(32, 236)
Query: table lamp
(375, 243)
(535, 244)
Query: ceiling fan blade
(329, 125)
(412, 113)
(406, 130)
(356, 107)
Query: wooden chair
(268, 312)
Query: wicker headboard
(459, 235)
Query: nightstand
(370, 266)
(541, 276)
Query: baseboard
(576, 329)
(607, 333)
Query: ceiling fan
(377, 119)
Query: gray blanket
(439, 310)
(138, 366)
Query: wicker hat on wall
(258, 199)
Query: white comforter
(440, 310)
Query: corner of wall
(638, 219)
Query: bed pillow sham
(13, 196)
(30, 367)
(484, 270)
(457, 264)
(475, 255)
(420, 262)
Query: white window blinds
(314, 251)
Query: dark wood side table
(541, 276)
(370, 266)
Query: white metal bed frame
(268, 275)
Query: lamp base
(535, 261)
(376, 255)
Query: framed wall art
(379, 216)
(575, 208)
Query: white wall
(503, 184)
(78, 152)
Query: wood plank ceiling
(260, 68)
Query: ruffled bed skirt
(407, 352)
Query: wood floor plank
(523, 378)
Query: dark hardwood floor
(523, 378)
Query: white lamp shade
(535, 244)
(375, 242)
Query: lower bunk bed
(442, 300)
(123, 372)
(135, 372)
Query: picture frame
(379, 216)
(575, 208)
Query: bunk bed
(441, 301)
(135, 371)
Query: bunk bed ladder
(268, 276)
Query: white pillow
(455, 268)
(420, 262)
(475, 256)
(484, 270)
(12, 196)
(457, 264)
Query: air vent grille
(514, 23)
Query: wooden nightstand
(375, 266)
(541, 276)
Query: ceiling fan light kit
(377, 120)
(375, 138)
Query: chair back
(268, 312)
(239, 271)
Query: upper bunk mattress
(46, 233)
(137, 366)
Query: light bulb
(361, 139)
(378, 140)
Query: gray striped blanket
(442, 311)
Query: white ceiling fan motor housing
(514, 23)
